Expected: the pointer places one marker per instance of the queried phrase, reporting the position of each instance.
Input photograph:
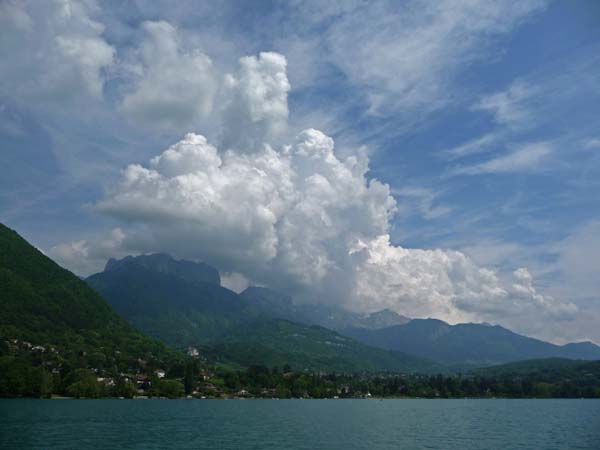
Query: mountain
(243, 329)
(276, 342)
(467, 344)
(383, 319)
(328, 316)
(176, 310)
(163, 263)
(52, 320)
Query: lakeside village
(46, 372)
(28, 370)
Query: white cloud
(256, 108)
(591, 143)
(88, 256)
(174, 87)
(448, 285)
(234, 281)
(407, 58)
(508, 107)
(253, 212)
(526, 158)
(471, 147)
(52, 51)
(304, 221)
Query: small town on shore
(52, 374)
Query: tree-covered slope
(177, 311)
(234, 328)
(276, 342)
(550, 377)
(48, 311)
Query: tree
(188, 380)
(170, 388)
(125, 388)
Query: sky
(440, 159)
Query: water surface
(300, 424)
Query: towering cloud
(302, 220)
(256, 109)
(172, 86)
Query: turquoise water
(300, 424)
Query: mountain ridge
(460, 345)
(165, 263)
(224, 324)
(468, 343)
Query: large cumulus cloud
(172, 86)
(299, 218)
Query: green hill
(276, 342)
(53, 325)
(233, 329)
(550, 377)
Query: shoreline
(299, 398)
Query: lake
(300, 424)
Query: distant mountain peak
(264, 291)
(387, 313)
(467, 343)
(165, 263)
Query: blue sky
(480, 116)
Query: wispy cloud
(508, 107)
(478, 145)
(407, 58)
(526, 158)
(420, 200)
(591, 143)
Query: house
(160, 373)
(193, 352)
(205, 375)
(344, 390)
(106, 381)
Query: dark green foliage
(19, 378)
(275, 342)
(191, 368)
(164, 305)
(530, 379)
(168, 388)
(124, 388)
(82, 383)
(52, 321)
